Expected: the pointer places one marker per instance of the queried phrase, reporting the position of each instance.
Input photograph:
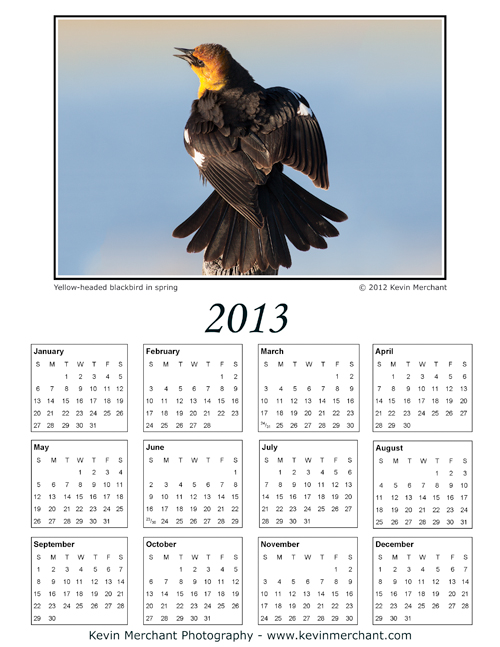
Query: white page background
(318, 312)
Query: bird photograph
(240, 135)
(219, 148)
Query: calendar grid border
(176, 431)
(314, 440)
(78, 431)
(191, 440)
(79, 624)
(80, 440)
(315, 431)
(326, 624)
(425, 431)
(424, 624)
(179, 624)
(418, 528)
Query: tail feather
(250, 247)
(289, 212)
(205, 233)
(332, 213)
(314, 226)
(200, 216)
(297, 223)
(279, 254)
(217, 244)
(293, 228)
(231, 254)
(306, 226)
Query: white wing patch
(198, 158)
(303, 110)
(186, 136)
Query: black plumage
(240, 135)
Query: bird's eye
(199, 63)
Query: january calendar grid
(79, 387)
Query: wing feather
(231, 176)
(292, 135)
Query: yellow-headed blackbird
(240, 135)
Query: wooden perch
(214, 268)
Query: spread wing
(236, 157)
(291, 134)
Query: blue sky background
(125, 181)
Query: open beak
(187, 55)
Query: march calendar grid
(308, 387)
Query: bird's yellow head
(210, 63)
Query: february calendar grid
(193, 387)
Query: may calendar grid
(79, 483)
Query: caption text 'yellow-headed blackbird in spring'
(240, 135)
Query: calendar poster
(250, 324)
